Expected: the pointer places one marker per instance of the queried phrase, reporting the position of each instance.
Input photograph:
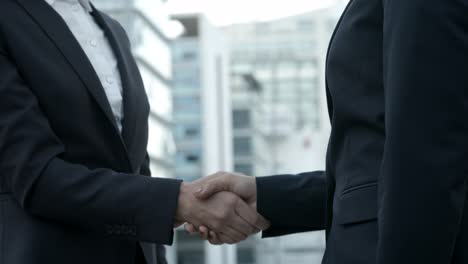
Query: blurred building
(250, 142)
(202, 120)
(280, 115)
(287, 57)
(251, 149)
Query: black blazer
(395, 186)
(72, 188)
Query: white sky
(224, 12)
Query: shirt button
(93, 43)
(109, 79)
(75, 7)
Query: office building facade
(202, 120)
(250, 142)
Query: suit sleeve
(159, 249)
(292, 203)
(422, 188)
(101, 201)
(145, 168)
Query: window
(186, 130)
(187, 104)
(189, 56)
(246, 169)
(241, 118)
(246, 255)
(192, 158)
(190, 249)
(286, 70)
(286, 91)
(309, 70)
(242, 146)
(263, 73)
(241, 67)
(188, 157)
(191, 132)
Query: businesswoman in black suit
(395, 186)
(73, 187)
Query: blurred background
(235, 86)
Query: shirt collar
(84, 3)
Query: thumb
(206, 190)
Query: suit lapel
(329, 97)
(57, 30)
(59, 33)
(129, 96)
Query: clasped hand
(221, 208)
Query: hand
(223, 212)
(243, 186)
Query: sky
(225, 12)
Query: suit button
(76, 7)
(93, 43)
(118, 230)
(109, 79)
(109, 229)
(125, 230)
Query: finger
(234, 235)
(239, 224)
(204, 232)
(262, 222)
(214, 238)
(213, 186)
(250, 216)
(226, 239)
(189, 228)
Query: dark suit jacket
(395, 186)
(72, 188)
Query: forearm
(292, 203)
(113, 204)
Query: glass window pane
(241, 118)
(246, 169)
(242, 146)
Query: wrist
(182, 203)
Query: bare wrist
(182, 203)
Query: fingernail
(199, 190)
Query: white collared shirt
(93, 41)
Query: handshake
(222, 208)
